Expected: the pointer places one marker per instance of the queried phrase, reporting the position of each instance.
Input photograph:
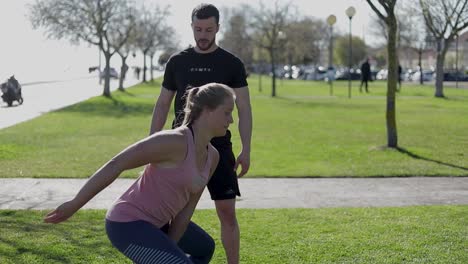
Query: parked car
(316, 73)
(343, 74)
(428, 76)
(454, 76)
(294, 70)
(382, 74)
(112, 73)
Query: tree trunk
(439, 85)
(392, 138)
(421, 79)
(151, 67)
(106, 92)
(273, 74)
(144, 67)
(123, 73)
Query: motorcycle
(11, 91)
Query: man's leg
(224, 188)
(230, 235)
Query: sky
(29, 55)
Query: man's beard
(210, 44)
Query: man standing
(400, 70)
(202, 64)
(365, 75)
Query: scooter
(11, 91)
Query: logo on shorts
(230, 191)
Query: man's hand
(244, 161)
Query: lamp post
(456, 62)
(350, 12)
(331, 20)
(280, 37)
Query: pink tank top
(160, 193)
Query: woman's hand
(62, 213)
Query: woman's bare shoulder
(171, 144)
(172, 136)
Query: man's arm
(161, 110)
(245, 128)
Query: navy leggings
(142, 242)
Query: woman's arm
(182, 219)
(160, 147)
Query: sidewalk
(261, 192)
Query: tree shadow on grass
(123, 103)
(126, 92)
(416, 156)
(110, 107)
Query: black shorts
(223, 184)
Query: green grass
(420, 234)
(303, 132)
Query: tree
(342, 50)
(168, 41)
(166, 54)
(236, 36)
(444, 20)
(413, 32)
(124, 32)
(269, 24)
(388, 15)
(124, 52)
(152, 32)
(305, 38)
(91, 21)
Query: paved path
(261, 193)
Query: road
(43, 97)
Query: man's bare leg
(230, 234)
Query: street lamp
(350, 12)
(276, 45)
(456, 62)
(331, 73)
(282, 39)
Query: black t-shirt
(189, 68)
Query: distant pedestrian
(150, 222)
(137, 72)
(365, 75)
(400, 71)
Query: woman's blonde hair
(208, 96)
